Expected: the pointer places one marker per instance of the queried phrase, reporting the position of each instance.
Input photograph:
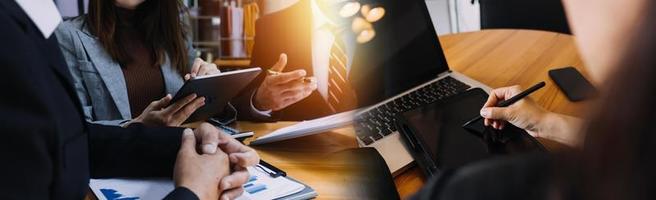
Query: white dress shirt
(322, 42)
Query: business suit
(47, 149)
(290, 31)
(99, 80)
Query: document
(310, 127)
(259, 186)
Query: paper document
(310, 127)
(259, 186)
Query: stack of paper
(308, 128)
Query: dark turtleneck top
(143, 78)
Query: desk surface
(497, 58)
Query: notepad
(259, 186)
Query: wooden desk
(508, 57)
(497, 58)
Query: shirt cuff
(265, 113)
(181, 193)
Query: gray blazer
(99, 80)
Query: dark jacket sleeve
(181, 193)
(135, 151)
(507, 178)
(27, 138)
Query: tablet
(218, 90)
(437, 140)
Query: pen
(276, 73)
(512, 100)
(272, 170)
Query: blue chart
(111, 194)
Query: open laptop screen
(404, 53)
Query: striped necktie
(341, 96)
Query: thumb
(281, 64)
(188, 145)
(497, 113)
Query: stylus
(512, 100)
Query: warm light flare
(375, 14)
(349, 9)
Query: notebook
(259, 186)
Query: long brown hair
(620, 151)
(159, 21)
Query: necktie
(341, 96)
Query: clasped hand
(212, 164)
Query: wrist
(255, 101)
(563, 129)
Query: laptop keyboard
(379, 122)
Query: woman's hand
(527, 115)
(160, 113)
(284, 88)
(200, 173)
(201, 68)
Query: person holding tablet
(128, 57)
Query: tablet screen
(438, 129)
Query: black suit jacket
(289, 31)
(47, 149)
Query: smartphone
(573, 84)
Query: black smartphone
(573, 84)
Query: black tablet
(437, 140)
(218, 90)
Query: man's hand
(241, 157)
(283, 89)
(160, 113)
(199, 173)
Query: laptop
(402, 68)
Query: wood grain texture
(501, 58)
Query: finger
(188, 145)
(173, 108)
(196, 66)
(207, 69)
(186, 111)
(281, 64)
(187, 77)
(209, 137)
(492, 99)
(511, 91)
(497, 113)
(238, 153)
(232, 194)
(287, 77)
(231, 145)
(502, 124)
(244, 159)
(234, 180)
(161, 103)
(294, 86)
